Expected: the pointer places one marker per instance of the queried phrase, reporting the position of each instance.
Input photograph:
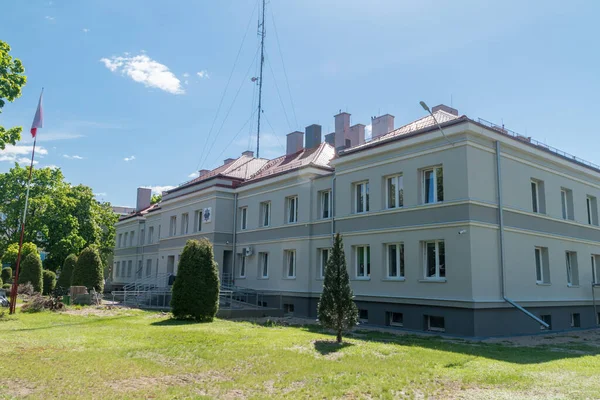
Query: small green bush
(66, 272)
(196, 289)
(31, 271)
(49, 278)
(6, 286)
(88, 270)
(1, 283)
(6, 275)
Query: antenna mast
(261, 33)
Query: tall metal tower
(261, 33)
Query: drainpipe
(332, 208)
(233, 255)
(502, 252)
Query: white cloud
(186, 82)
(129, 158)
(101, 194)
(73, 157)
(21, 154)
(51, 166)
(145, 70)
(203, 74)
(85, 30)
(24, 161)
(186, 75)
(368, 132)
(49, 18)
(51, 136)
(159, 189)
(193, 175)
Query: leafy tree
(88, 270)
(12, 80)
(6, 275)
(10, 255)
(336, 309)
(31, 271)
(156, 198)
(196, 288)
(1, 282)
(49, 279)
(66, 272)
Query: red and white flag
(38, 120)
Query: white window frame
(129, 268)
(434, 172)
(291, 215)
(325, 204)
(366, 261)
(595, 275)
(323, 262)
(242, 269)
(148, 268)
(243, 218)
(399, 187)
(142, 236)
(540, 251)
(290, 257)
(125, 239)
(399, 261)
(151, 235)
(364, 196)
(564, 202)
(438, 268)
(173, 226)
(434, 328)
(265, 211)
(591, 201)
(185, 223)
(263, 260)
(535, 188)
(198, 220)
(392, 323)
(131, 238)
(119, 240)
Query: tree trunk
(339, 336)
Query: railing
(149, 282)
(540, 145)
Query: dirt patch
(588, 337)
(97, 311)
(16, 388)
(144, 382)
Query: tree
(49, 279)
(6, 275)
(10, 255)
(12, 80)
(88, 270)
(336, 309)
(31, 271)
(156, 198)
(196, 288)
(66, 272)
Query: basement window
(363, 316)
(395, 319)
(288, 308)
(435, 324)
(575, 320)
(547, 319)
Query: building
(430, 243)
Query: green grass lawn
(136, 354)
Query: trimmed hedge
(6, 275)
(49, 278)
(66, 272)
(6, 286)
(88, 270)
(196, 288)
(31, 271)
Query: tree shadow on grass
(326, 347)
(178, 322)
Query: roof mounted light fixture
(426, 108)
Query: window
(129, 268)
(290, 263)
(547, 319)
(117, 268)
(325, 204)
(324, 257)
(434, 255)
(185, 219)
(263, 259)
(592, 210)
(131, 238)
(435, 324)
(197, 220)
(288, 308)
(148, 268)
(433, 185)
(119, 239)
(243, 218)
(125, 237)
(572, 270)
(395, 319)
(142, 237)
(575, 320)
(542, 270)
(538, 202)
(173, 226)
(566, 201)
(170, 265)
(292, 209)
(394, 191)
(363, 261)
(265, 213)
(138, 272)
(151, 235)
(242, 269)
(395, 260)
(596, 268)
(363, 316)
(361, 197)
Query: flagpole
(13, 292)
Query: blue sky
(132, 87)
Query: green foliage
(196, 288)
(12, 80)
(66, 272)
(31, 271)
(1, 283)
(49, 279)
(62, 219)
(6, 275)
(10, 255)
(6, 286)
(336, 309)
(88, 270)
(156, 198)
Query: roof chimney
(144, 197)
(228, 160)
(203, 172)
(330, 138)
(381, 125)
(342, 127)
(248, 153)
(356, 135)
(313, 136)
(294, 142)
(444, 107)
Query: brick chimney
(444, 107)
(342, 128)
(295, 142)
(228, 160)
(144, 197)
(203, 172)
(381, 125)
(313, 136)
(248, 153)
(356, 134)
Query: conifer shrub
(31, 272)
(66, 272)
(6, 275)
(49, 279)
(88, 270)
